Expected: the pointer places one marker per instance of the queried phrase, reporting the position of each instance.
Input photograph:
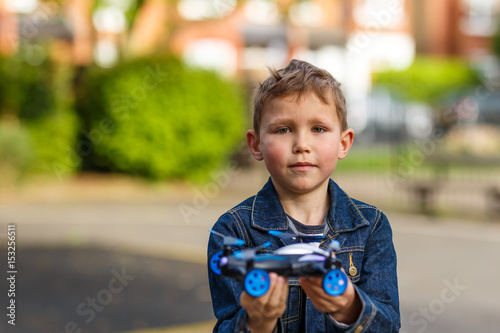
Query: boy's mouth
(302, 166)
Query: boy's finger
(264, 299)
(269, 296)
(313, 280)
(284, 291)
(277, 298)
(247, 299)
(280, 294)
(278, 290)
(311, 284)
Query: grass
(373, 159)
(414, 160)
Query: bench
(424, 189)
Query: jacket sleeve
(377, 286)
(225, 292)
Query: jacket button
(353, 271)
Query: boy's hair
(297, 78)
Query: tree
(496, 42)
(429, 80)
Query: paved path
(87, 289)
(448, 275)
(448, 270)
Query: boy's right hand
(264, 311)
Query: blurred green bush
(429, 79)
(15, 152)
(496, 42)
(37, 103)
(158, 119)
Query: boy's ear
(346, 139)
(253, 143)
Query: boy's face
(300, 142)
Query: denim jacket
(367, 254)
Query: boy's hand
(344, 308)
(264, 311)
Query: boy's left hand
(344, 308)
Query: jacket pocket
(352, 259)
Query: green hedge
(157, 119)
(16, 152)
(37, 102)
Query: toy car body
(295, 260)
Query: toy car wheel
(335, 282)
(257, 282)
(214, 262)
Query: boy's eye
(318, 129)
(283, 130)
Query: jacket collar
(268, 213)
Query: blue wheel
(335, 282)
(257, 282)
(214, 262)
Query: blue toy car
(295, 260)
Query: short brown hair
(297, 78)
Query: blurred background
(122, 139)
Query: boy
(300, 131)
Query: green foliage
(15, 151)
(25, 89)
(496, 42)
(54, 143)
(40, 99)
(160, 120)
(367, 159)
(428, 80)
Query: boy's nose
(301, 144)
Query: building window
(198, 10)
(479, 17)
(306, 14)
(262, 12)
(380, 14)
(212, 54)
